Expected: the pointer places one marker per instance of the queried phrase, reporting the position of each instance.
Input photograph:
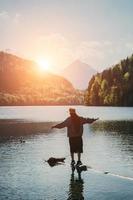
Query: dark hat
(72, 110)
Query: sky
(97, 32)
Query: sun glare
(43, 64)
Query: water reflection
(10, 129)
(113, 126)
(108, 146)
(76, 186)
(119, 132)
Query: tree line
(112, 87)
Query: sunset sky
(98, 32)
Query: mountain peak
(79, 73)
(78, 62)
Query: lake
(108, 147)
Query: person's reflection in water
(76, 186)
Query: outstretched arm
(89, 120)
(61, 125)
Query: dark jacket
(71, 132)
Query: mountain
(21, 83)
(112, 87)
(78, 73)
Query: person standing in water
(74, 124)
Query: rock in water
(106, 172)
(55, 161)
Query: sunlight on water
(57, 113)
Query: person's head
(72, 111)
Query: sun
(43, 64)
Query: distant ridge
(79, 74)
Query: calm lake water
(108, 147)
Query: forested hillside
(112, 87)
(22, 83)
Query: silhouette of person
(74, 124)
(76, 187)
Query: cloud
(63, 51)
(90, 49)
(129, 45)
(4, 15)
(56, 47)
(11, 18)
(17, 18)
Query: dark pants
(76, 144)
